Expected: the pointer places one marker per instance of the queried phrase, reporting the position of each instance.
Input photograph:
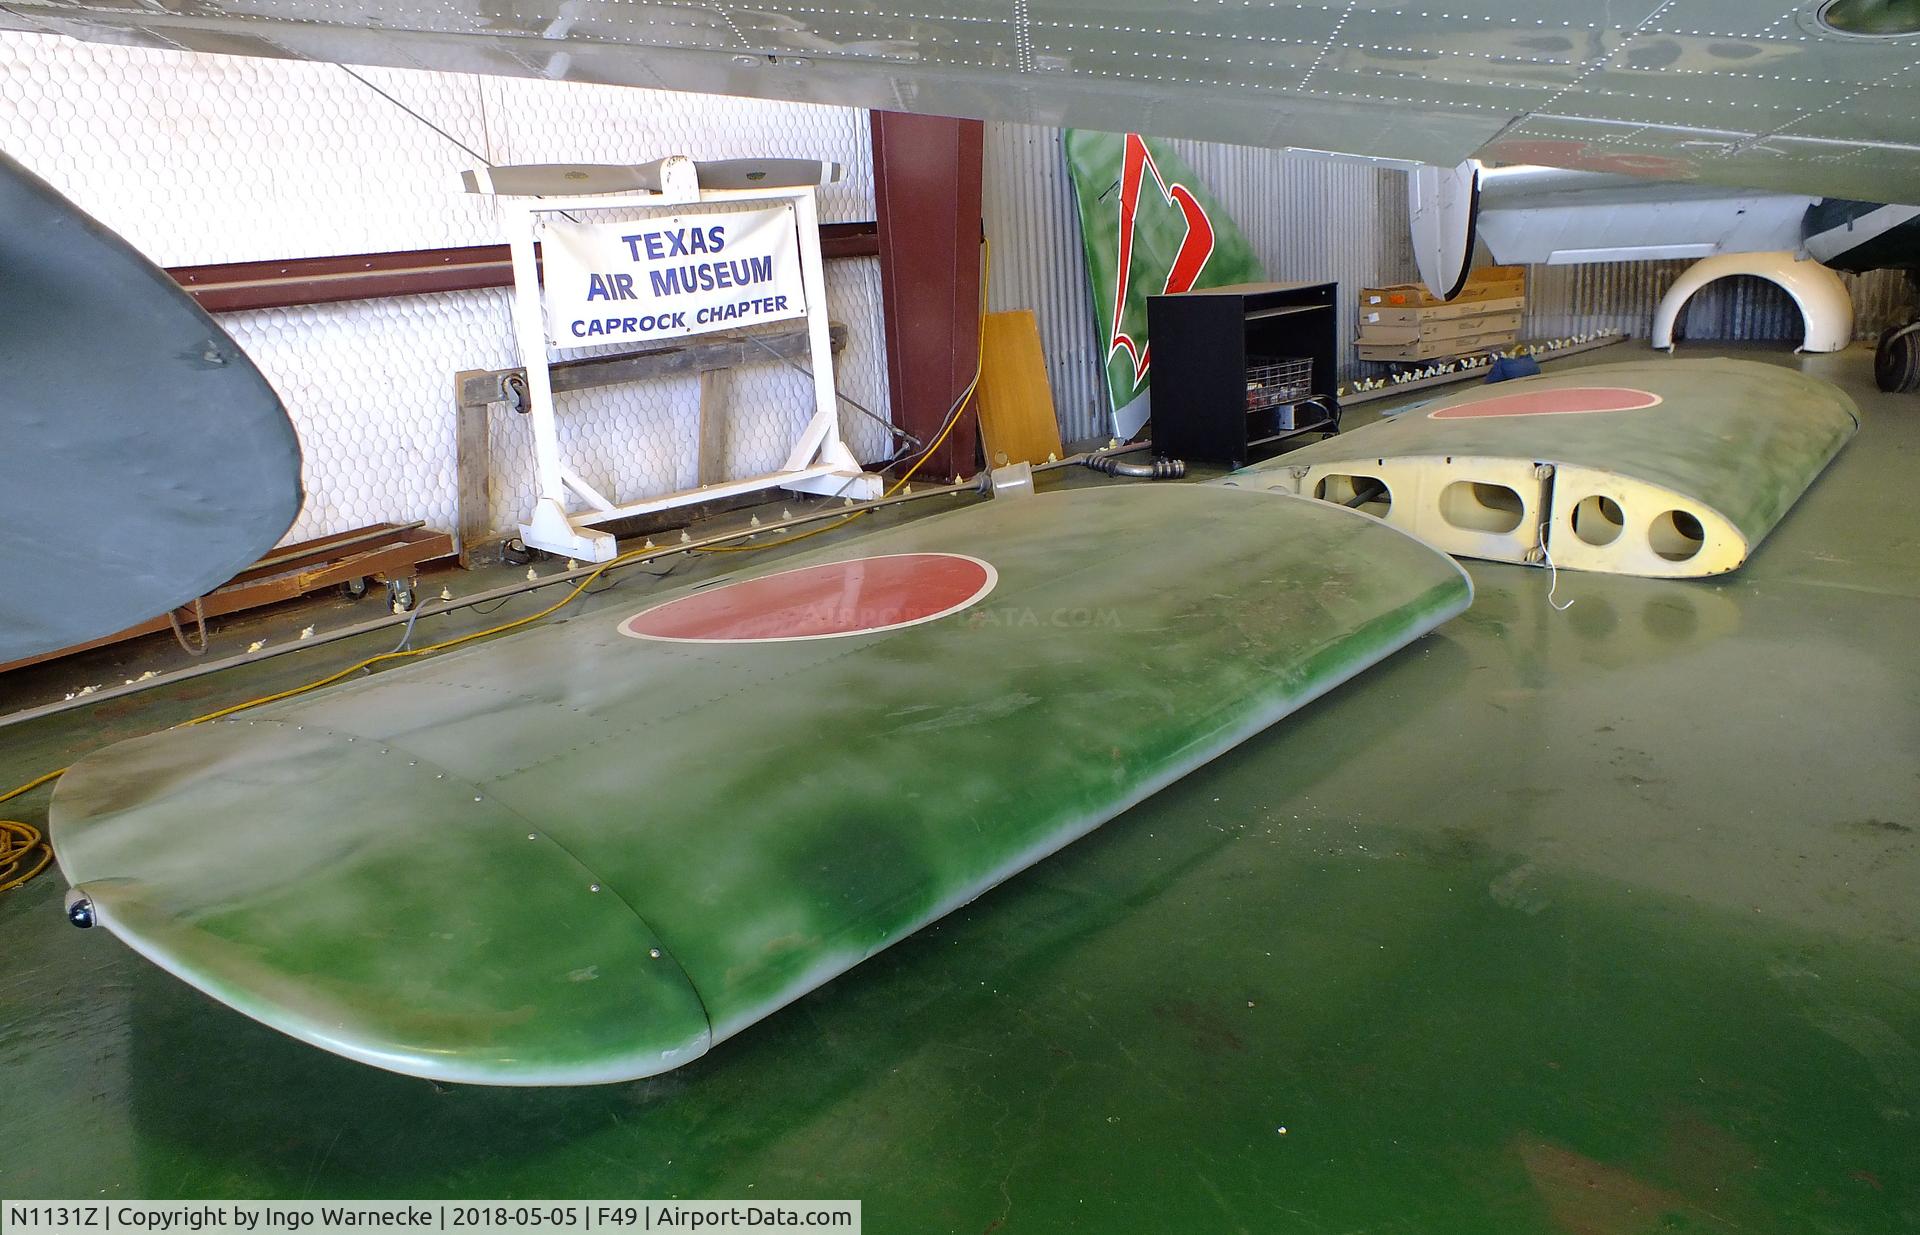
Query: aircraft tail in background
(1149, 228)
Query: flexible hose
(1158, 469)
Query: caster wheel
(1896, 361)
(516, 391)
(400, 593)
(354, 589)
(515, 552)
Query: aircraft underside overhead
(1821, 99)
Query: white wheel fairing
(1825, 305)
(1443, 204)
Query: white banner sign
(665, 277)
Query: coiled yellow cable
(21, 839)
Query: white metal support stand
(818, 462)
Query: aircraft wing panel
(360, 898)
(1675, 468)
(495, 865)
(1715, 90)
(1552, 216)
(1869, 170)
(144, 460)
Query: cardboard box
(1486, 283)
(1442, 330)
(1438, 349)
(1385, 316)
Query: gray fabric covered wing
(143, 459)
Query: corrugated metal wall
(1027, 204)
(1564, 300)
(1316, 218)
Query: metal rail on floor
(979, 484)
(1550, 349)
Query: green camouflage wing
(572, 856)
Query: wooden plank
(1486, 283)
(473, 470)
(1413, 314)
(152, 626)
(320, 549)
(394, 553)
(232, 286)
(1435, 349)
(395, 560)
(713, 425)
(1017, 417)
(479, 387)
(1443, 330)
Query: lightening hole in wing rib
(1676, 535)
(1871, 18)
(1481, 506)
(1598, 520)
(1367, 494)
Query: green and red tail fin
(1149, 228)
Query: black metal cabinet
(1225, 362)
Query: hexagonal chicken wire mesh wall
(199, 159)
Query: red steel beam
(233, 286)
(927, 173)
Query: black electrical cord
(857, 406)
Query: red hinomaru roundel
(1561, 402)
(861, 596)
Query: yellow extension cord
(20, 841)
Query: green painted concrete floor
(1597, 922)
